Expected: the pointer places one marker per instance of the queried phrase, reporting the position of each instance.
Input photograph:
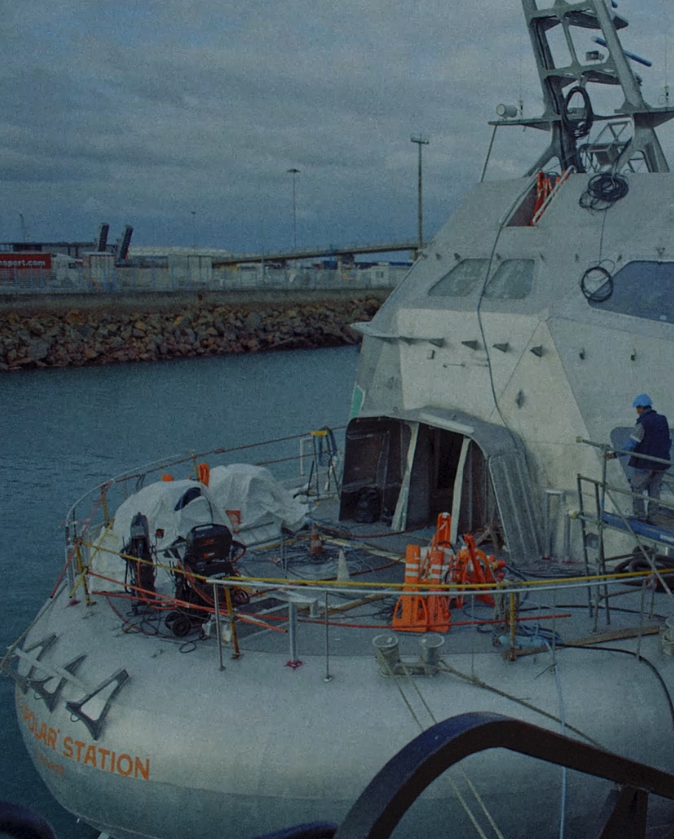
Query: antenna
(420, 141)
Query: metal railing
(288, 455)
(317, 592)
(602, 504)
(396, 787)
(85, 541)
(177, 278)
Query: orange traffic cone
(410, 613)
(439, 616)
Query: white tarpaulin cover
(250, 490)
(173, 508)
(254, 491)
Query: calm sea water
(64, 431)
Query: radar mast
(568, 113)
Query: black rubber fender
(22, 823)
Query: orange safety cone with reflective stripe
(457, 574)
(439, 616)
(411, 613)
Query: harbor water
(64, 431)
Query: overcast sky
(182, 117)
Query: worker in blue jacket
(650, 437)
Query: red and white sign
(25, 261)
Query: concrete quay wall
(77, 330)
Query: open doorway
(406, 473)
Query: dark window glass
(640, 289)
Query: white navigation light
(506, 111)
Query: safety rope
(562, 720)
(479, 683)
(471, 786)
(455, 788)
(84, 569)
(523, 585)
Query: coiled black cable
(577, 126)
(608, 186)
(603, 190)
(597, 289)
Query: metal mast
(420, 141)
(569, 123)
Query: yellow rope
(84, 569)
(434, 586)
(81, 577)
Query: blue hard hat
(643, 400)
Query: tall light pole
(420, 141)
(294, 173)
(194, 230)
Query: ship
(232, 648)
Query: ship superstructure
(533, 318)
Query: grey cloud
(152, 110)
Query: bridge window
(641, 289)
(462, 280)
(513, 280)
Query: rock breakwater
(78, 337)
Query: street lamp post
(420, 141)
(294, 173)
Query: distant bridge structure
(347, 251)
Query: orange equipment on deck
(204, 473)
(410, 613)
(437, 605)
(544, 187)
(429, 566)
(439, 566)
(473, 566)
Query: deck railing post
(327, 677)
(218, 629)
(292, 631)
